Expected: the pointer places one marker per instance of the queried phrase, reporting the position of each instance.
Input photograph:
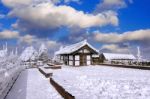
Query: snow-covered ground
(102, 82)
(31, 84)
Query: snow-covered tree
(29, 54)
(43, 53)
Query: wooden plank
(61, 90)
(46, 72)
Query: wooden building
(117, 58)
(79, 54)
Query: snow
(46, 70)
(74, 47)
(3, 52)
(29, 53)
(111, 56)
(42, 49)
(95, 55)
(31, 84)
(102, 82)
(43, 53)
(10, 68)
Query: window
(70, 62)
(70, 57)
(88, 57)
(86, 51)
(77, 63)
(77, 57)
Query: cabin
(79, 54)
(117, 58)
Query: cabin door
(83, 61)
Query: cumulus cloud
(53, 16)
(19, 3)
(14, 3)
(52, 44)
(138, 35)
(29, 39)
(68, 1)
(33, 40)
(112, 5)
(115, 48)
(8, 34)
(43, 17)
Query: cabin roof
(115, 56)
(74, 47)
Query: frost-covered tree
(29, 54)
(43, 53)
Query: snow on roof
(95, 55)
(111, 56)
(74, 47)
(29, 53)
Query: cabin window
(77, 60)
(70, 62)
(70, 57)
(86, 51)
(77, 63)
(77, 57)
(80, 51)
(66, 57)
(88, 57)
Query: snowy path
(31, 84)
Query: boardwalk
(31, 84)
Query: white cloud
(14, 3)
(112, 5)
(68, 1)
(8, 34)
(29, 39)
(113, 2)
(51, 44)
(137, 35)
(50, 15)
(115, 48)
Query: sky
(116, 26)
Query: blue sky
(117, 26)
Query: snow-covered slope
(29, 54)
